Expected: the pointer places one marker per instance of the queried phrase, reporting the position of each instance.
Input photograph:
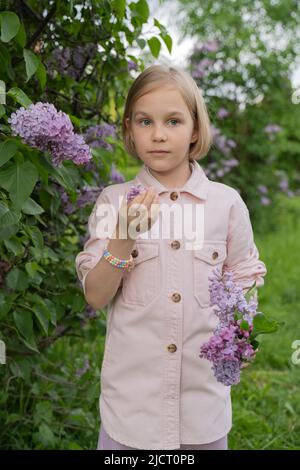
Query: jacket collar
(197, 184)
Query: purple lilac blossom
(95, 135)
(265, 201)
(208, 46)
(70, 62)
(115, 175)
(229, 345)
(222, 113)
(272, 128)
(262, 189)
(89, 195)
(90, 312)
(132, 65)
(135, 191)
(201, 68)
(42, 127)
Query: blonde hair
(157, 75)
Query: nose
(158, 133)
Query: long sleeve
(242, 254)
(94, 246)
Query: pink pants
(105, 442)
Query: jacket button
(215, 255)
(134, 253)
(176, 297)
(174, 196)
(175, 244)
(172, 348)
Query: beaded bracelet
(119, 263)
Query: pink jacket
(156, 393)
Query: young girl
(156, 392)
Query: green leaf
(41, 317)
(8, 231)
(262, 325)
(8, 149)
(168, 41)
(8, 217)
(19, 96)
(119, 8)
(5, 61)
(14, 245)
(143, 10)
(6, 301)
(45, 436)
(32, 63)
(10, 25)
(62, 175)
(19, 180)
(31, 207)
(41, 75)
(21, 36)
(250, 292)
(154, 45)
(244, 325)
(160, 26)
(36, 236)
(24, 323)
(17, 279)
(2, 110)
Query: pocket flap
(144, 251)
(211, 253)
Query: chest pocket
(210, 257)
(141, 285)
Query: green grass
(266, 403)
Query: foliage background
(82, 57)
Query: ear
(194, 136)
(127, 124)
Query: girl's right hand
(140, 214)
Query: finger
(149, 197)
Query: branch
(42, 27)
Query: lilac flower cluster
(87, 195)
(224, 144)
(70, 61)
(115, 175)
(41, 126)
(208, 46)
(95, 135)
(132, 65)
(230, 346)
(134, 191)
(202, 68)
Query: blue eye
(142, 120)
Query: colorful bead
(119, 263)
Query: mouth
(159, 152)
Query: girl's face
(161, 121)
